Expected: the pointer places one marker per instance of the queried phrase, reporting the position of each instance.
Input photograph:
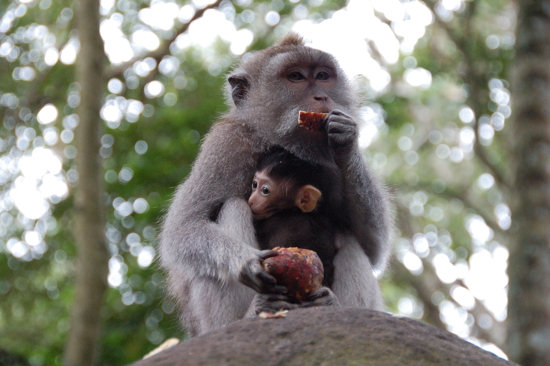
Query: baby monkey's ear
(307, 198)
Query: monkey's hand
(342, 132)
(253, 275)
(322, 297)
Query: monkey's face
(269, 196)
(270, 89)
(305, 79)
(308, 86)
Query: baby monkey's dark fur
(290, 226)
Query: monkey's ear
(307, 198)
(239, 88)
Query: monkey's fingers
(264, 254)
(342, 131)
(338, 124)
(253, 275)
(340, 117)
(278, 290)
(249, 273)
(270, 285)
(338, 113)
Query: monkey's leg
(216, 304)
(354, 282)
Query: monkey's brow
(311, 65)
(309, 58)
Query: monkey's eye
(296, 76)
(322, 75)
(265, 190)
(254, 185)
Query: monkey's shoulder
(234, 135)
(233, 127)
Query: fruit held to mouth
(312, 121)
(299, 270)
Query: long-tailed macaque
(207, 244)
(297, 204)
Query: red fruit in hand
(299, 270)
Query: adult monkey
(207, 244)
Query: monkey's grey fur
(208, 241)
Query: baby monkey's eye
(265, 190)
(254, 185)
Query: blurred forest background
(104, 103)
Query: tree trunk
(92, 253)
(529, 263)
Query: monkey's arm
(208, 235)
(354, 282)
(365, 199)
(192, 238)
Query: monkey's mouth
(324, 110)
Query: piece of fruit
(267, 315)
(312, 121)
(299, 270)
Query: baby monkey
(296, 203)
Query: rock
(326, 336)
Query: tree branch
(163, 50)
(475, 78)
(429, 283)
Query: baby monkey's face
(271, 195)
(267, 196)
